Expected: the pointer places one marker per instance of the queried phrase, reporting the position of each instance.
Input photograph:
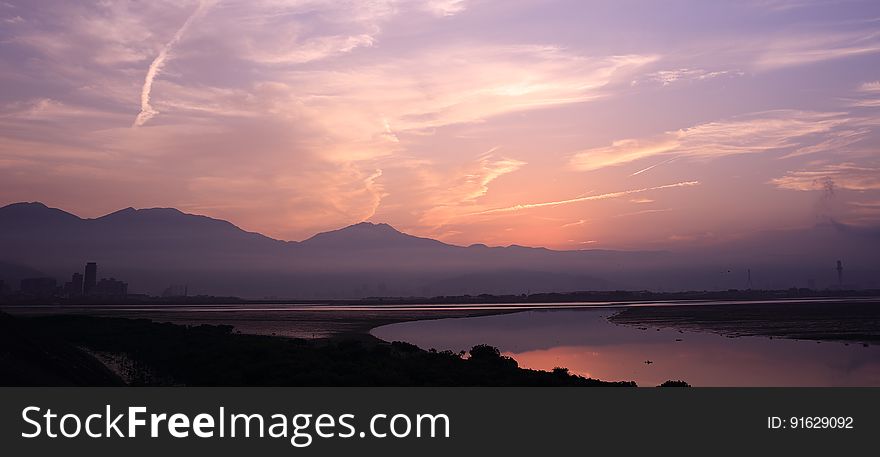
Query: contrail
(585, 199)
(652, 167)
(147, 110)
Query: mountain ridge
(154, 247)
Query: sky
(568, 124)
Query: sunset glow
(568, 124)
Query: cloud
(304, 171)
(316, 49)
(452, 85)
(575, 223)
(777, 6)
(147, 111)
(871, 87)
(445, 7)
(644, 211)
(605, 196)
(286, 34)
(867, 212)
(868, 96)
(790, 51)
(296, 116)
(670, 77)
(374, 188)
(755, 133)
(321, 198)
(847, 175)
(47, 109)
(475, 184)
(647, 169)
(453, 195)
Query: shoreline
(841, 319)
(63, 350)
(109, 334)
(855, 322)
(311, 325)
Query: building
(175, 290)
(90, 279)
(110, 288)
(39, 287)
(74, 288)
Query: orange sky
(565, 124)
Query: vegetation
(209, 355)
(30, 359)
(674, 384)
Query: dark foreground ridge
(69, 350)
(29, 358)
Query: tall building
(91, 278)
(74, 288)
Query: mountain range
(153, 248)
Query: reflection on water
(586, 343)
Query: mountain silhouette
(367, 235)
(152, 248)
(34, 216)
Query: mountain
(33, 232)
(35, 219)
(367, 235)
(153, 248)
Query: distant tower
(839, 273)
(76, 285)
(91, 278)
(750, 279)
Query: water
(586, 343)
(573, 335)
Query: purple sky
(569, 124)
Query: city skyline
(570, 125)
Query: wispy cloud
(670, 77)
(867, 212)
(575, 223)
(756, 133)
(784, 5)
(147, 110)
(644, 211)
(872, 86)
(605, 196)
(647, 169)
(790, 51)
(456, 85)
(445, 7)
(296, 116)
(451, 197)
(848, 176)
(868, 96)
